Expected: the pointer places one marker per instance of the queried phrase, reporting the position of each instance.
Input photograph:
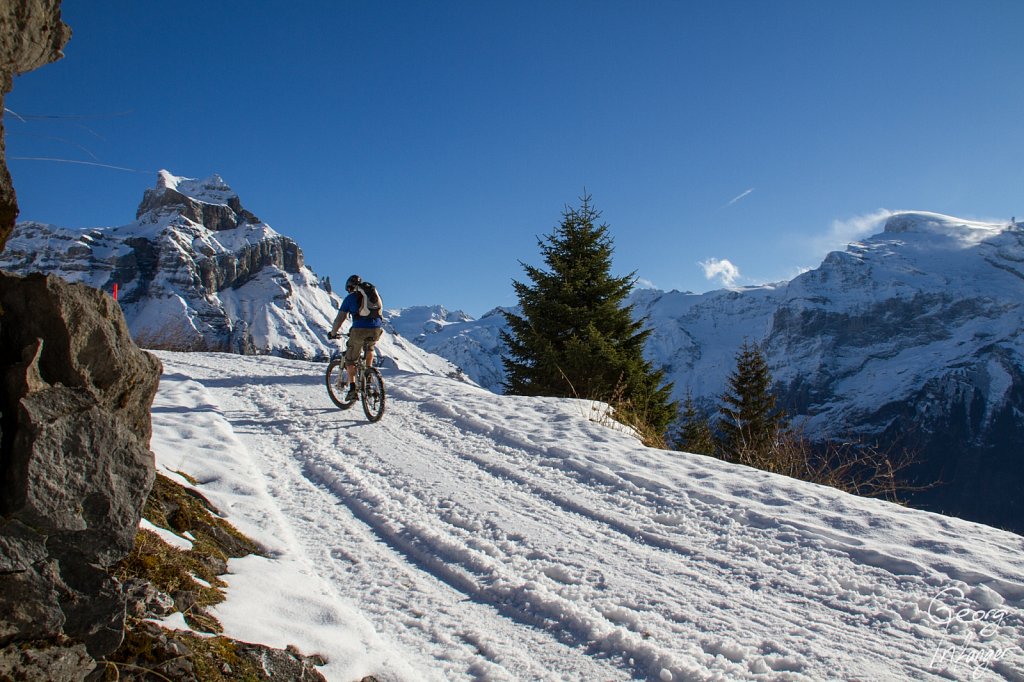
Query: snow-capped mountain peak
(196, 270)
(210, 203)
(417, 321)
(212, 190)
(967, 232)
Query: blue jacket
(351, 306)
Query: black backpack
(371, 304)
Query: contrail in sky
(737, 198)
(83, 163)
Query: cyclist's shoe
(351, 395)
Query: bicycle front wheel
(337, 383)
(373, 394)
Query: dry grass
(853, 466)
(192, 578)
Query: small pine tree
(695, 432)
(750, 424)
(575, 338)
(756, 433)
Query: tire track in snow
(786, 662)
(483, 576)
(489, 581)
(529, 602)
(439, 562)
(251, 403)
(430, 550)
(854, 594)
(440, 553)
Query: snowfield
(471, 536)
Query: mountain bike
(369, 385)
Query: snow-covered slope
(196, 270)
(469, 536)
(913, 335)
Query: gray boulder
(86, 345)
(75, 468)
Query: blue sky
(427, 145)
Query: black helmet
(353, 281)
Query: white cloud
(722, 270)
(643, 283)
(844, 232)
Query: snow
(474, 345)
(172, 539)
(472, 536)
(966, 232)
(212, 190)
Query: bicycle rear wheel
(337, 383)
(373, 394)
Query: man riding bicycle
(367, 327)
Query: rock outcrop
(210, 202)
(31, 35)
(75, 471)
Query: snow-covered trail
(493, 537)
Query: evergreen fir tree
(695, 433)
(575, 338)
(750, 423)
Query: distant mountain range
(912, 336)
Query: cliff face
(31, 35)
(195, 271)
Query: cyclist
(365, 331)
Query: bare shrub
(854, 466)
(618, 411)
